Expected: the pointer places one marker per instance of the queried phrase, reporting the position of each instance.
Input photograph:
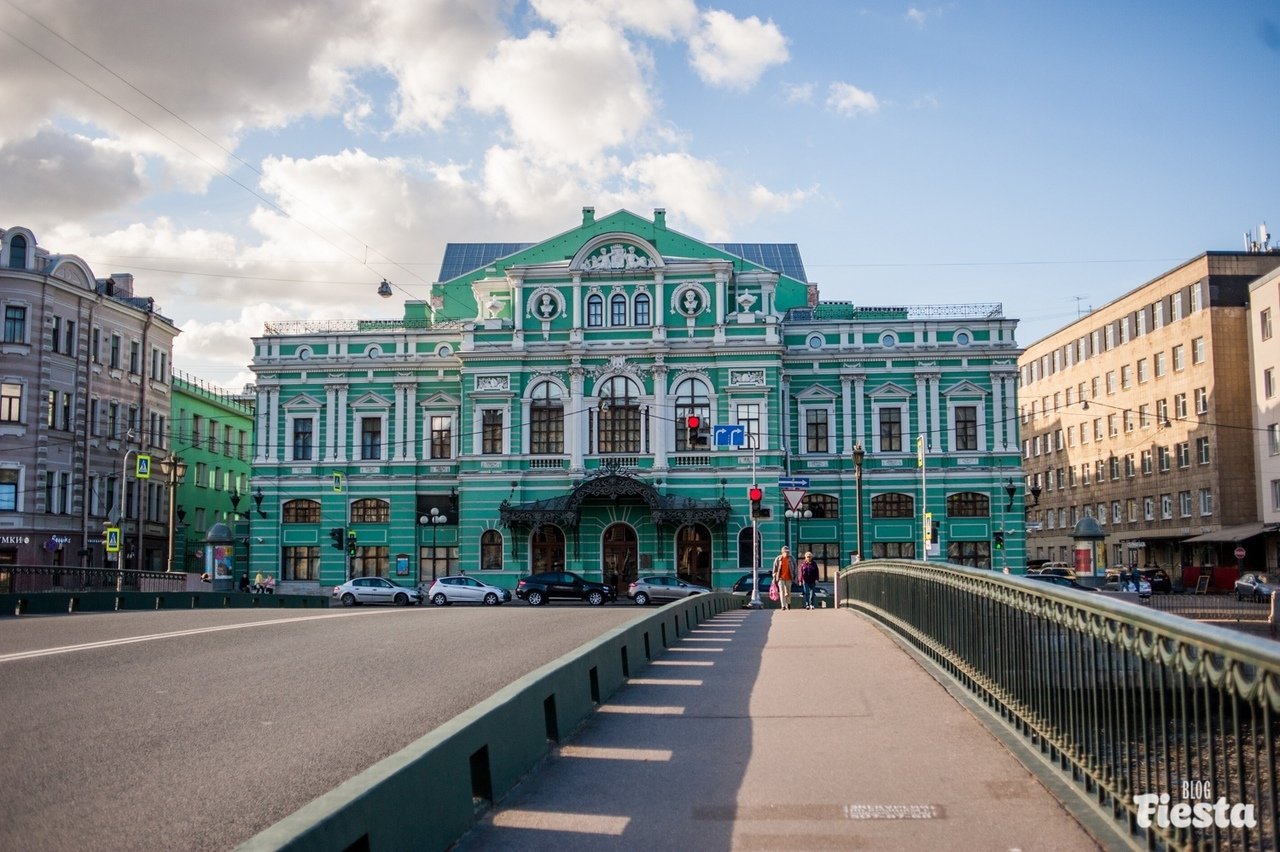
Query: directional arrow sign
(801, 482)
(731, 435)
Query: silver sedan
(463, 589)
(662, 588)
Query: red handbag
(773, 591)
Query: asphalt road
(196, 730)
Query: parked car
(1255, 587)
(1056, 580)
(463, 589)
(537, 589)
(1055, 569)
(1117, 582)
(376, 590)
(743, 587)
(662, 588)
(1158, 578)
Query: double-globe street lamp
(859, 455)
(434, 519)
(174, 470)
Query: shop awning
(1236, 533)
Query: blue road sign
(731, 435)
(793, 482)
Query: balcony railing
(25, 579)
(1125, 702)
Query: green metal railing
(1127, 702)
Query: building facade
(1264, 351)
(1137, 415)
(603, 402)
(213, 435)
(84, 391)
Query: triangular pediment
(441, 400)
(303, 402)
(965, 388)
(890, 390)
(371, 400)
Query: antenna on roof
(1080, 313)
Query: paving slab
(808, 729)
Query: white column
(575, 432)
(260, 440)
(526, 437)
(273, 424)
(340, 417)
(999, 441)
(922, 412)
(935, 414)
(846, 403)
(661, 415)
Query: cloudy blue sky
(255, 161)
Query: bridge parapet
(1128, 704)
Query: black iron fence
(1166, 725)
(25, 579)
(1211, 607)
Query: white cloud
(798, 93)
(570, 95)
(917, 16)
(848, 100)
(734, 52)
(666, 19)
(52, 176)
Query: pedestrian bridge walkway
(807, 729)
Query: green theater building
(603, 402)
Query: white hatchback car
(376, 590)
(463, 589)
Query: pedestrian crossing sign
(142, 467)
(112, 539)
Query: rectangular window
(1264, 321)
(1113, 467)
(1166, 507)
(1268, 383)
(1142, 322)
(816, 431)
(1206, 501)
(1202, 401)
(370, 438)
(1184, 504)
(1130, 466)
(15, 324)
(1180, 406)
(1273, 439)
(1157, 314)
(1162, 413)
(1126, 376)
(114, 356)
(1148, 509)
(1175, 307)
(113, 419)
(491, 431)
(1142, 371)
(1202, 450)
(747, 415)
(1129, 420)
(55, 334)
(64, 412)
(51, 409)
(441, 436)
(95, 346)
(135, 357)
(1146, 462)
(1144, 415)
(1162, 458)
(1159, 364)
(1197, 350)
(1131, 509)
(1184, 454)
(300, 563)
(1111, 382)
(1179, 357)
(196, 430)
(10, 402)
(1113, 425)
(890, 430)
(618, 310)
(303, 438)
(1275, 494)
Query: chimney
(588, 216)
(660, 217)
(123, 283)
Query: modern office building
(84, 394)
(603, 402)
(1140, 415)
(1264, 352)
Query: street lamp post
(435, 518)
(121, 557)
(797, 515)
(175, 470)
(859, 455)
(1011, 490)
(755, 495)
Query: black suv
(540, 588)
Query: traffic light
(755, 495)
(693, 432)
(999, 538)
(339, 536)
(351, 542)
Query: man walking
(782, 574)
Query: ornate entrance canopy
(566, 510)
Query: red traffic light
(755, 493)
(693, 421)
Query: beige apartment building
(1140, 414)
(1264, 347)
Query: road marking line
(129, 640)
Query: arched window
(746, 553)
(546, 549)
(491, 550)
(619, 416)
(595, 310)
(692, 400)
(546, 420)
(620, 548)
(893, 506)
(300, 512)
(643, 315)
(618, 309)
(968, 504)
(18, 252)
(822, 505)
(370, 511)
